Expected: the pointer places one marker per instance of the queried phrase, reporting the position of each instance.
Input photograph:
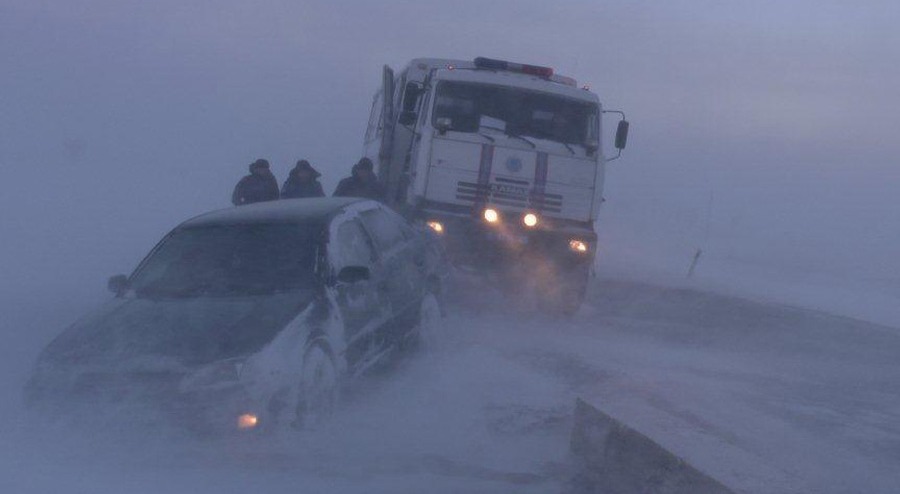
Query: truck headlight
(579, 246)
(491, 216)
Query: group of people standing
(303, 181)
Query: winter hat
(304, 165)
(260, 163)
(364, 164)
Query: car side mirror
(117, 284)
(353, 274)
(622, 134)
(407, 118)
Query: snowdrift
(612, 458)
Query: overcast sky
(120, 118)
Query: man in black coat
(361, 183)
(260, 185)
(303, 181)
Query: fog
(762, 134)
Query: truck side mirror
(622, 134)
(117, 284)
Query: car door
(403, 267)
(363, 304)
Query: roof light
(493, 64)
(536, 70)
(490, 63)
(568, 81)
(530, 220)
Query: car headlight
(247, 421)
(217, 374)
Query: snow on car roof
(281, 211)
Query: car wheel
(319, 388)
(431, 328)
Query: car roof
(319, 210)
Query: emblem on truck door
(514, 164)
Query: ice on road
(762, 397)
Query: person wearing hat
(303, 181)
(361, 183)
(260, 185)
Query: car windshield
(230, 260)
(473, 107)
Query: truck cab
(503, 160)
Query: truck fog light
(578, 246)
(247, 421)
(491, 215)
(437, 226)
(530, 220)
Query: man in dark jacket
(303, 181)
(361, 183)
(259, 186)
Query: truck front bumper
(507, 244)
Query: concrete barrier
(611, 458)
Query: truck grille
(509, 192)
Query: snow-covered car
(250, 317)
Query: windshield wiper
(482, 134)
(517, 136)
(566, 144)
(508, 134)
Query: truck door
(387, 118)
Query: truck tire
(564, 294)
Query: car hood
(175, 332)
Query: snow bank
(612, 457)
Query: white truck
(503, 160)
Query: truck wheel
(564, 294)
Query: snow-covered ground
(765, 398)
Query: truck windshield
(471, 107)
(231, 260)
